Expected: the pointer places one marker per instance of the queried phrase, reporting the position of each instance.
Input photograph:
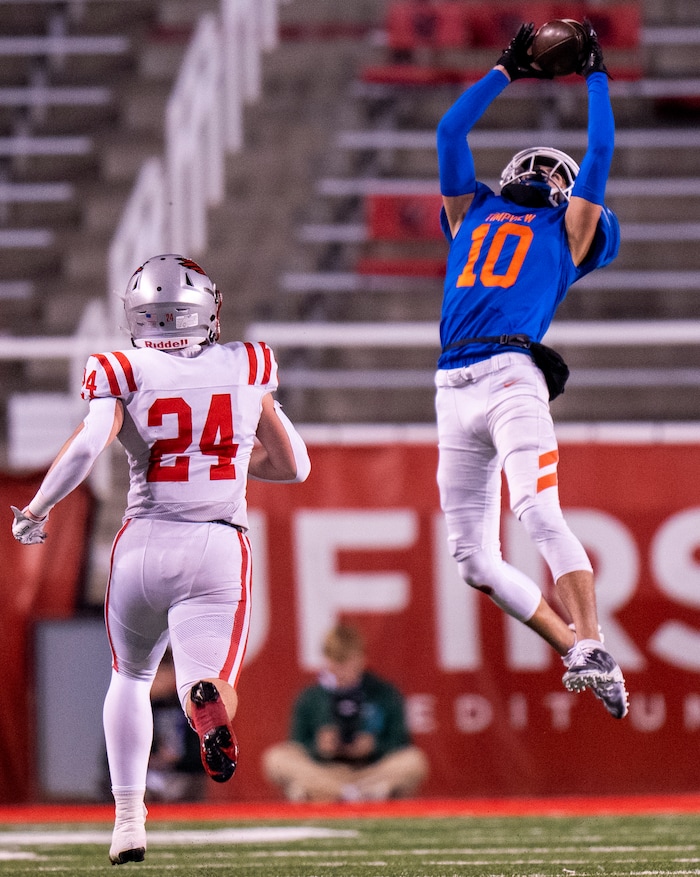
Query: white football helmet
(528, 178)
(170, 304)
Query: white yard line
(272, 834)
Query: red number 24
(216, 439)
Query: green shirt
(382, 715)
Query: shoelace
(581, 651)
(576, 656)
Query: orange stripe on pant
(549, 458)
(546, 481)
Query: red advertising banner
(363, 540)
(36, 582)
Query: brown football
(559, 47)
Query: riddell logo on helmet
(167, 345)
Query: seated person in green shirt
(349, 740)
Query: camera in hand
(347, 710)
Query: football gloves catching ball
(593, 62)
(516, 59)
(26, 530)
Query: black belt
(228, 524)
(510, 340)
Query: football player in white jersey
(196, 419)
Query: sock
(128, 727)
(128, 805)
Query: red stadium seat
(445, 27)
(618, 26)
(493, 25)
(626, 73)
(412, 24)
(676, 107)
(407, 267)
(417, 75)
(404, 217)
(441, 24)
(423, 76)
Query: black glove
(516, 58)
(593, 60)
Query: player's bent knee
(510, 589)
(479, 570)
(561, 549)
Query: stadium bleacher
(366, 223)
(427, 39)
(378, 224)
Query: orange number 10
(487, 275)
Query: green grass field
(409, 847)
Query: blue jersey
(508, 269)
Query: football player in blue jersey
(511, 260)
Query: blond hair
(343, 642)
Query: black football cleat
(218, 744)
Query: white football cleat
(589, 665)
(129, 840)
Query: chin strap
(535, 194)
(187, 352)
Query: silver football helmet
(170, 304)
(529, 177)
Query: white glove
(27, 531)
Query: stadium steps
(658, 260)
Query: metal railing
(220, 74)
(167, 208)
(579, 333)
(416, 335)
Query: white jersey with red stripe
(189, 425)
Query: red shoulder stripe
(252, 362)
(268, 362)
(114, 387)
(125, 363)
(254, 350)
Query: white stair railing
(220, 74)
(167, 207)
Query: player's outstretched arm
(455, 161)
(587, 196)
(70, 468)
(280, 452)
